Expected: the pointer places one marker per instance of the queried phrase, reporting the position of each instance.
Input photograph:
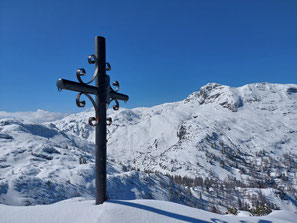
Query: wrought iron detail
(116, 84)
(108, 121)
(92, 120)
(82, 72)
(116, 106)
(108, 67)
(84, 88)
(92, 59)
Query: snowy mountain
(219, 130)
(221, 147)
(39, 164)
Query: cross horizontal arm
(79, 87)
(75, 86)
(118, 96)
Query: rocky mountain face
(220, 148)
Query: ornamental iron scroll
(82, 72)
(115, 96)
(83, 103)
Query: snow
(144, 211)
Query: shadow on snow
(161, 212)
(174, 215)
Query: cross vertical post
(102, 83)
(104, 95)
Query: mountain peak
(214, 93)
(233, 98)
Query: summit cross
(104, 95)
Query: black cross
(104, 95)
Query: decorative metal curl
(92, 120)
(108, 68)
(92, 59)
(116, 106)
(108, 121)
(82, 72)
(116, 84)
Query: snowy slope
(183, 137)
(246, 134)
(39, 164)
(144, 211)
(34, 154)
(242, 138)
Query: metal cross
(104, 94)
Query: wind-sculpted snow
(243, 136)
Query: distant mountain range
(220, 148)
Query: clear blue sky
(160, 51)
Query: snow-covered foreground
(144, 211)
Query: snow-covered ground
(123, 211)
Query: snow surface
(121, 211)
